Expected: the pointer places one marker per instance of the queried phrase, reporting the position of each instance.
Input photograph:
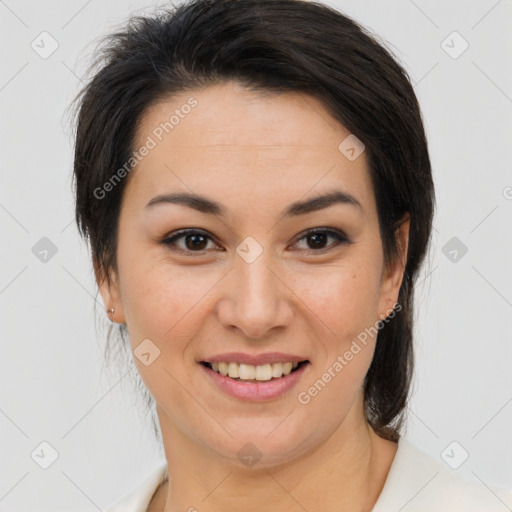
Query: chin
(264, 443)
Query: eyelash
(339, 236)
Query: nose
(255, 299)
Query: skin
(255, 154)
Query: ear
(393, 274)
(110, 293)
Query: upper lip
(254, 359)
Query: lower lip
(256, 391)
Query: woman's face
(247, 284)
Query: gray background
(52, 387)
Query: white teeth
(247, 371)
(233, 370)
(287, 368)
(223, 368)
(277, 370)
(264, 372)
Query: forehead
(226, 137)
(230, 114)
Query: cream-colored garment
(415, 483)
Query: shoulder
(138, 499)
(417, 482)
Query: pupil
(194, 244)
(315, 237)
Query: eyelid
(169, 240)
(338, 235)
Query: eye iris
(199, 241)
(318, 240)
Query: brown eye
(317, 239)
(193, 241)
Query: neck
(347, 472)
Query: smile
(248, 382)
(249, 372)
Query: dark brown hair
(272, 46)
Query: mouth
(254, 373)
(254, 377)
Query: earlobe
(109, 290)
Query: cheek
(161, 300)
(346, 301)
(344, 297)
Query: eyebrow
(209, 206)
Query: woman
(254, 180)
